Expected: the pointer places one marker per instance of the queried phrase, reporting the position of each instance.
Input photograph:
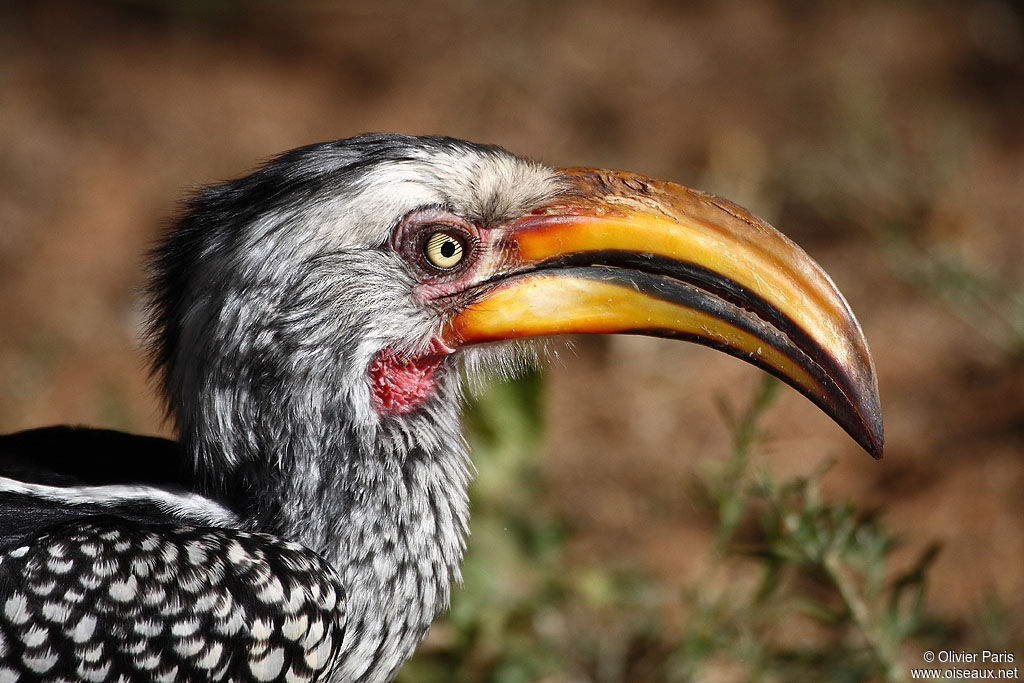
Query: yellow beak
(622, 253)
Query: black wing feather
(68, 456)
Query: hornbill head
(310, 321)
(345, 278)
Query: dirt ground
(871, 132)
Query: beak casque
(622, 253)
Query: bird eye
(444, 250)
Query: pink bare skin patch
(401, 383)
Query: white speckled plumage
(105, 636)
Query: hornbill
(311, 325)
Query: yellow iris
(444, 250)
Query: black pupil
(448, 249)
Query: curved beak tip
(874, 433)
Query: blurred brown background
(887, 138)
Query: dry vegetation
(884, 137)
